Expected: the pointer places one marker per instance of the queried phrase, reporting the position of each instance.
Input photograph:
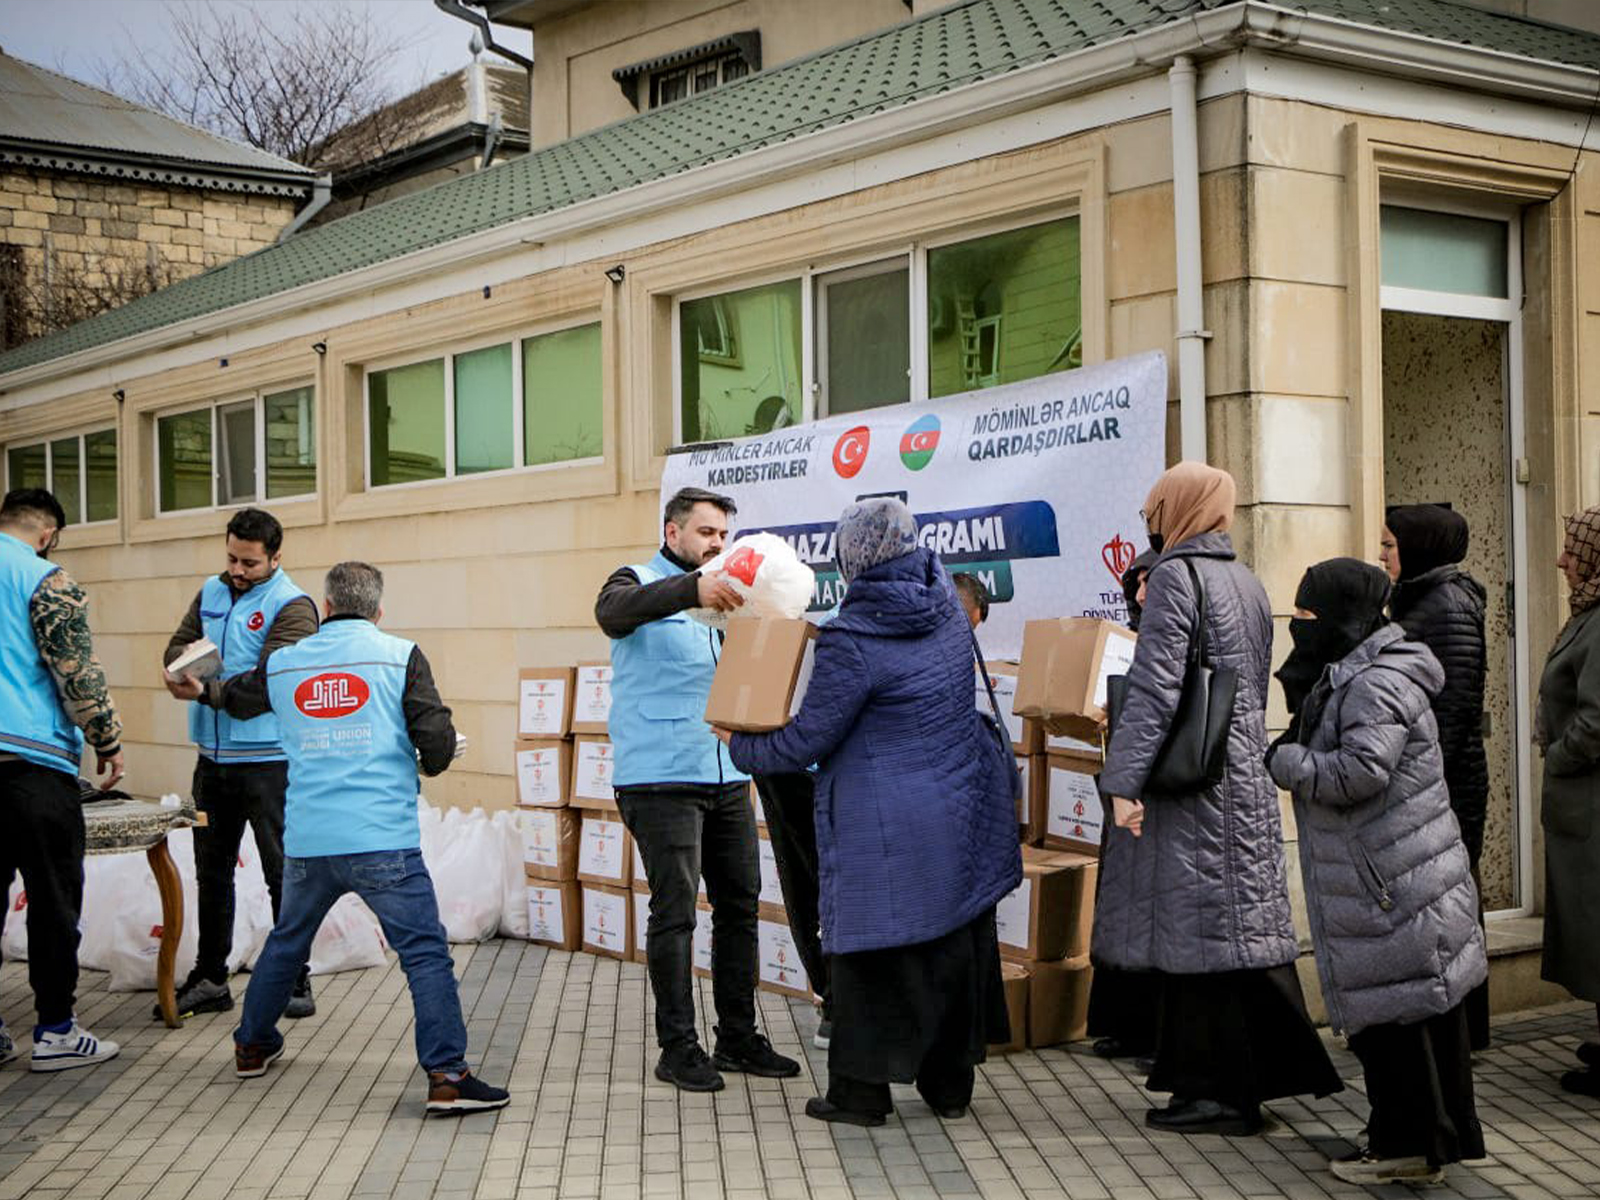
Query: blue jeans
(396, 887)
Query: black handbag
(1194, 755)
(996, 725)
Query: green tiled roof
(935, 53)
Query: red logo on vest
(256, 620)
(336, 694)
(850, 451)
(743, 565)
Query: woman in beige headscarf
(1193, 885)
(1568, 729)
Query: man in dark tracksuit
(683, 800)
(251, 609)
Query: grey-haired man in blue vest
(681, 797)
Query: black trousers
(43, 841)
(682, 833)
(231, 794)
(1419, 1083)
(789, 804)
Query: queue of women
(1193, 944)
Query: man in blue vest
(249, 610)
(52, 698)
(358, 710)
(683, 800)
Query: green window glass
(100, 470)
(236, 453)
(291, 443)
(1443, 252)
(1004, 308)
(66, 478)
(183, 451)
(405, 419)
(867, 343)
(561, 400)
(485, 434)
(740, 361)
(25, 467)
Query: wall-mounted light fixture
(222, 362)
(119, 395)
(320, 347)
(617, 273)
(486, 291)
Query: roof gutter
(472, 17)
(321, 193)
(1228, 27)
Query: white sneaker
(1363, 1169)
(77, 1047)
(8, 1048)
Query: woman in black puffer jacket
(1438, 604)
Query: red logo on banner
(21, 903)
(743, 565)
(256, 620)
(850, 451)
(335, 694)
(1118, 556)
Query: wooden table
(122, 826)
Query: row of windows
(930, 322)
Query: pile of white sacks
(475, 859)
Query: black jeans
(684, 832)
(43, 840)
(789, 804)
(231, 794)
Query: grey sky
(74, 36)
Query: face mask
(1157, 541)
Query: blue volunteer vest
(339, 697)
(660, 678)
(33, 725)
(239, 627)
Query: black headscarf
(1427, 536)
(1348, 596)
(1131, 578)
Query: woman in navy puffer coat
(916, 830)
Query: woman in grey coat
(1568, 728)
(1193, 886)
(1388, 882)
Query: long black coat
(1443, 609)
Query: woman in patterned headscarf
(1568, 730)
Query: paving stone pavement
(341, 1115)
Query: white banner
(1035, 487)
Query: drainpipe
(321, 193)
(456, 9)
(1192, 336)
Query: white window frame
(813, 309)
(80, 433)
(448, 354)
(256, 397)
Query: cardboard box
(1074, 812)
(1058, 1001)
(555, 915)
(700, 946)
(592, 772)
(762, 673)
(1051, 913)
(1014, 978)
(607, 921)
(1065, 664)
(544, 702)
(780, 966)
(591, 703)
(771, 898)
(1026, 737)
(605, 851)
(1086, 749)
(1034, 803)
(543, 771)
(550, 843)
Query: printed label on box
(780, 961)
(1005, 694)
(541, 844)
(601, 848)
(702, 940)
(546, 921)
(605, 920)
(641, 924)
(761, 813)
(771, 890)
(1011, 915)
(592, 771)
(539, 779)
(1116, 660)
(542, 706)
(1075, 810)
(592, 703)
(1025, 769)
(638, 863)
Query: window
(1443, 252)
(690, 71)
(80, 469)
(1000, 308)
(677, 82)
(237, 451)
(532, 402)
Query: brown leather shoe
(252, 1061)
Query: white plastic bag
(514, 893)
(765, 570)
(350, 938)
(14, 943)
(467, 863)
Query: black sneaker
(1589, 1054)
(1582, 1083)
(200, 995)
(301, 1004)
(467, 1094)
(754, 1056)
(688, 1068)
